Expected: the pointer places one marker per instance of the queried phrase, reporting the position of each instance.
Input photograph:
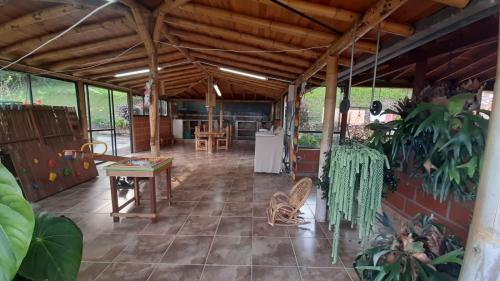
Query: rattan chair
(284, 209)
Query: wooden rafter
(236, 36)
(269, 24)
(335, 13)
(454, 3)
(127, 65)
(376, 14)
(213, 42)
(111, 73)
(77, 31)
(164, 72)
(161, 76)
(186, 53)
(166, 7)
(40, 16)
(82, 49)
(275, 85)
(190, 86)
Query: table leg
(137, 194)
(210, 147)
(152, 195)
(114, 197)
(169, 185)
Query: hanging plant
(444, 143)
(356, 176)
(324, 181)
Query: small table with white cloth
(268, 152)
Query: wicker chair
(284, 209)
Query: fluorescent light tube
(242, 73)
(217, 90)
(134, 72)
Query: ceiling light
(242, 73)
(217, 90)
(134, 72)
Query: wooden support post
(82, 109)
(154, 121)
(221, 115)
(328, 122)
(482, 255)
(420, 72)
(210, 103)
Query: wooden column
(210, 107)
(154, 121)
(221, 115)
(420, 71)
(83, 110)
(328, 122)
(482, 255)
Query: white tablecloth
(268, 152)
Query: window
(163, 108)
(14, 87)
(48, 91)
(138, 105)
(311, 118)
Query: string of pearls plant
(356, 182)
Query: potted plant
(419, 251)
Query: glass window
(14, 87)
(48, 91)
(138, 105)
(100, 113)
(163, 108)
(311, 118)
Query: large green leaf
(457, 102)
(55, 252)
(16, 225)
(455, 256)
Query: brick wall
(410, 199)
(308, 163)
(141, 132)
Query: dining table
(211, 136)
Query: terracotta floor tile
(235, 226)
(272, 251)
(231, 251)
(324, 274)
(260, 273)
(188, 250)
(200, 225)
(226, 273)
(90, 270)
(166, 272)
(126, 272)
(240, 209)
(145, 248)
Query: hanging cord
(109, 2)
(352, 58)
(375, 67)
(244, 51)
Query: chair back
(300, 192)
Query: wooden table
(211, 136)
(139, 168)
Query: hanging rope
(352, 59)
(375, 67)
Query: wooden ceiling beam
(467, 65)
(245, 67)
(229, 45)
(77, 31)
(454, 3)
(81, 49)
(190, 86)
(376, 14)
(111, 74)
(272, 25)
(236, 36)
(334, 13)
(165, 71)
(186, 53)
(166, 7)
(479, 73)
(277, 85)
(164, 78)
(40, 16)
(126, 65)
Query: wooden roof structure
(284, 40)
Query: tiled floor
(216, 228)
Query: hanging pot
(345, 104)
(376, 107)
